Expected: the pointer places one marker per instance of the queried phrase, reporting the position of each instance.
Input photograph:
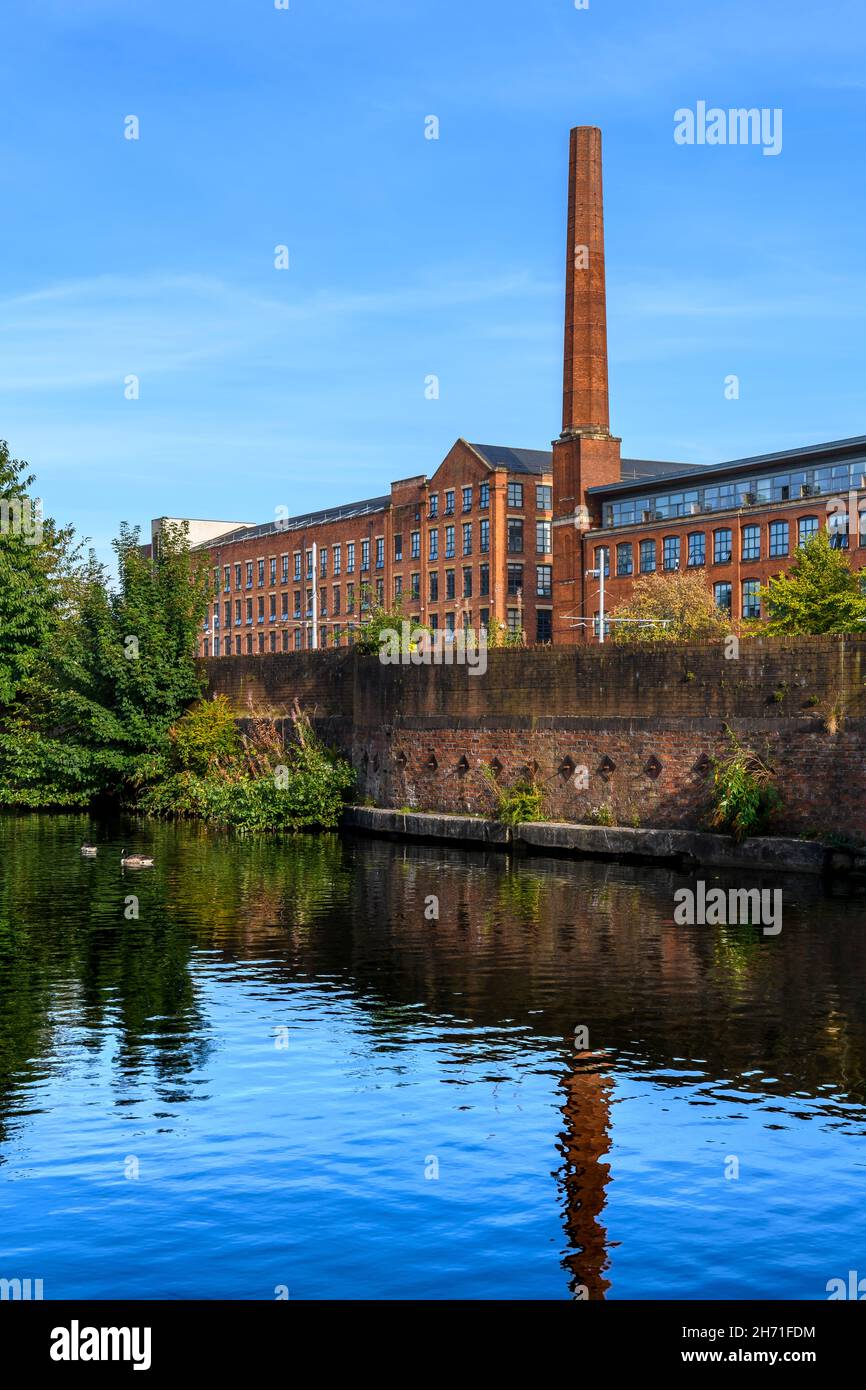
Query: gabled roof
(516, 460)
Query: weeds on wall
(743, 793)
(514, 805)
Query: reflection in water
(590, 1169)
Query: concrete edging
(766, 853)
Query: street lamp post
(599, 575)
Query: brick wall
(642, 725)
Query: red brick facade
(468, 547)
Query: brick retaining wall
(643, 725)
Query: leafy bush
(206, 737)
(262, 786)
(743, 793)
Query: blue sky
(262, 388)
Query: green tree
(675, 607)
(820, 592)
(35, 560)
(93, 715)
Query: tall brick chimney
(586, 454)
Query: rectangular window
(484, 536)
(227, 578)
(284, 606)
(722, 594)
(467, 499)
(543, 497)
(449, 542)
(260, 564)
(778, 539)
(544, 580)
(434, 543)
(467, 538)
(323, 562)
(515, 537)
(467, 581)
(484, 496)
(216, 580)
(350, 598)
(449, 584)
(415, 545)
(237, 612)
(249, 574)
(807, 527)
(260, 614)
(227, 611)
(296, 612)
(542, 538)
(298, 639)
(434, 588)
(416, 585)
(309, 558)
(671, 552)
(434, 504)
(272, 569)
(398, 547)
(722, 546)
(513, 618)
(515, 495)
(335, 607)
(515, 580)
(544, 625)
(272, 607)
(449, 502)
(647, 557)
(297, 570)
(624, 559)
(365, 556)
(602, 557)
(237, 576)
(249, 612)
(284, 570)
(697, 548)
(751, 543)
(380, 552)
(323, 603)
(484, 580)
(350, 557)
(398, 587)
(338, 558)
(449, 622)
(751, 598)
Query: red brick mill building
(506, 535)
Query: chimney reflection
(584, 1176)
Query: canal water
(262, 1070)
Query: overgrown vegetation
(744, 796)
(247, 782)
(522, 801)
